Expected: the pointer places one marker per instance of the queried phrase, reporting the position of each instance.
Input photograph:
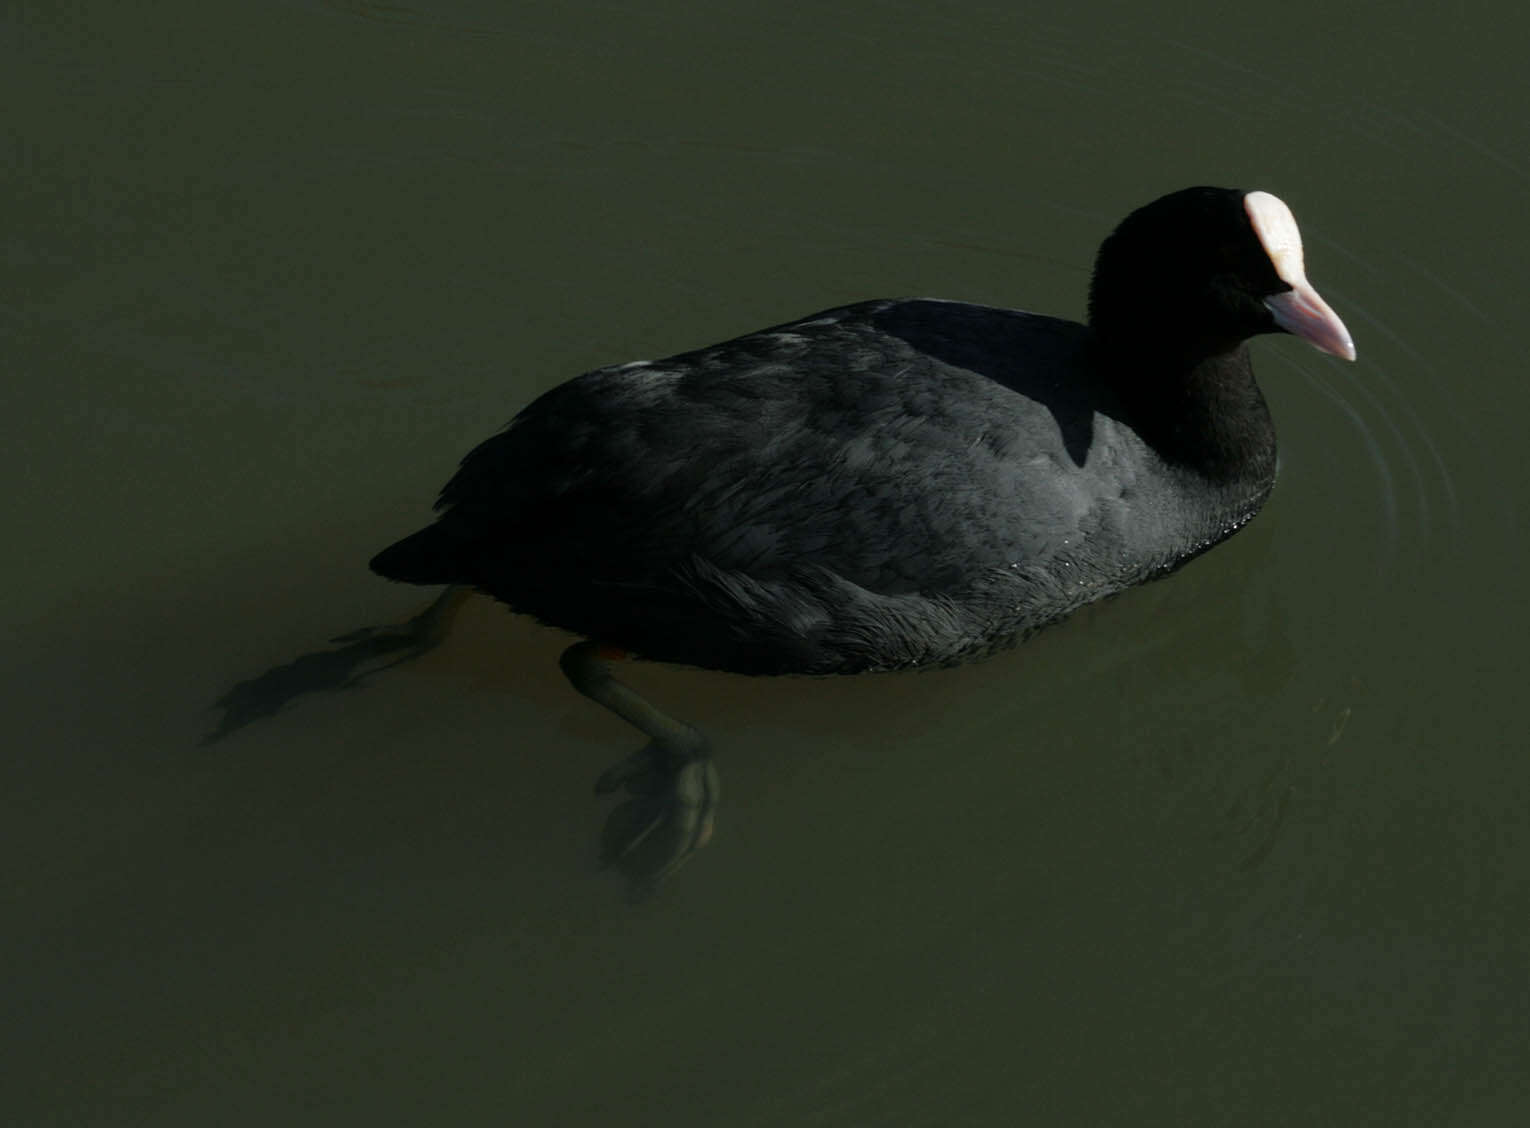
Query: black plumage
(888, 484)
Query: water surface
(1248, 846)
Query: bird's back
(883, 485)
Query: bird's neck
(1201, 409)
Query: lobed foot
(672, 782)
(670, 814)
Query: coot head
(1195, 273)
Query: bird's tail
(431, 556)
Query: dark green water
(1249, 846)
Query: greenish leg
(426, 630)
(672, 780)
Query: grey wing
(827, 494)
(821, 442)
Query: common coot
(885, 485)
